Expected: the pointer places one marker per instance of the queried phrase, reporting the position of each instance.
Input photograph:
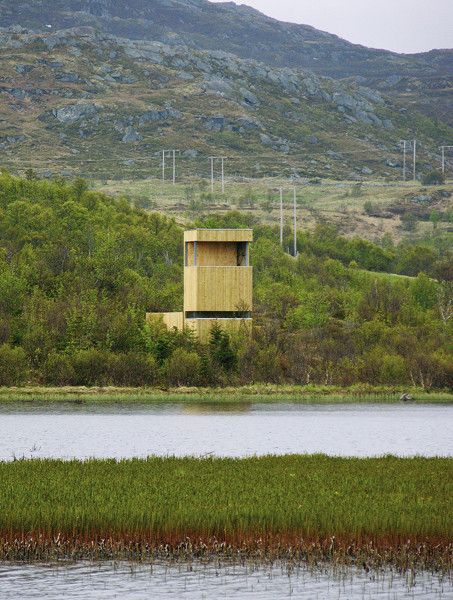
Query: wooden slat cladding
(218, 289)
(213, 254)
(171, 320)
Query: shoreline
(253, 394)
(292, 550)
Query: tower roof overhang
(218, 235)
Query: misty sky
(399, 25)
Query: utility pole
(415, 160)
(404, 142)
(443, 148)
(223, 174)
(212, 173)
(174, 166)
(163, 164)
(295, 223)
(281, 217)
(169, 153)
(222, 159)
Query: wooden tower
(218, 281)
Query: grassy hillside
(79, 102)
(79, 269)
(369, 210)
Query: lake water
(84, 581)
(70, 431)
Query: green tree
(221, 350)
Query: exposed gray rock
(68, 77)
(366, 171)
(217, 123)
(422, 199)
(191, 153)
(371, 95)
(155, 115)
(344, 100)
(22, 68)
(312, 85)
(248, 97)
(120, 78)
(248, 124)
(72, 113)
(368, 118)
(14, 139)
(131, 135)
(184, 75)
(18, 93)
(392, 80)
(218, 85)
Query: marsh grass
(262, 394)
(312, 508)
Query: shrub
(409, 221)
(433, 178)
(13, 365)
(267, 365)
(58, 370)
(133, 369)
(91, 367)
(393, 370)
(183, 368)
(357, 190)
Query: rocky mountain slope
(421, 81)
(87, 101)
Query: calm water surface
(120, 432)
(83, 581)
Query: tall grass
(260, 393)
(387, 507)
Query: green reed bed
(310, 394)
(375, 511)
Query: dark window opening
(219, 315)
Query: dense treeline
(78, 271)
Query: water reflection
(121, 431)
(85, 581)
(215, 408)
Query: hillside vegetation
(81, 102)
(371, 210)
(79, 269)
(421, 82)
